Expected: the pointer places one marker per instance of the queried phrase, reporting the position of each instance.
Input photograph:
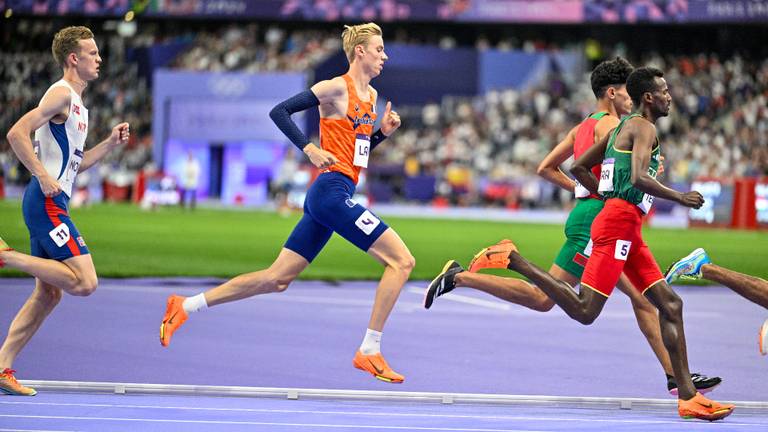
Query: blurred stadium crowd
(487, 148)
(478, 150)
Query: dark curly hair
(640, 81)
(609, 73)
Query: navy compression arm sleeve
(377, 138)
(281, 115)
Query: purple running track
(306, 337)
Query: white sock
(195, 303)
(371, 342)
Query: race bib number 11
(60, 235)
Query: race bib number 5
(606, 175)
(362, 149)
(622, 249)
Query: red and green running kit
(575, 252)
(616, 232)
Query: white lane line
(33, 430)
(369, 413)
(252, 423)
(522, 311)
(490, 304)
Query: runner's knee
(277, 282)
(281, 285)
(672, 308)
(584, 314)
(543, 304)
(586, 318)
(404, 263)
(85, 286)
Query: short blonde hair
(67, 40)
(353, 36)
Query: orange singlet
(338, 136)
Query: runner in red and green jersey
(608, 81)
(629, 183)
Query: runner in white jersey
(59, 259)
(60, 146)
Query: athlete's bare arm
(582, 168)
(332, 95)
(53, 107)
(549, 168)
(119, 136)
(642, 138)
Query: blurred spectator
(190, 178)
(251, 49)
(718, 128)
(481, 150)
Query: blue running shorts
(52, 233)
(329, 207)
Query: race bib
(588, 249)
(367, 222)
(606, 176)
(72, 169)
(362, 149)
(622, 249)
(646, 204)
(581, 191)
(60, 235)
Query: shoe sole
(442, 272)
(474, 258)
(162, 335)
(13, 393)
(762, 337)
(377, 376)
(689, 256)
(484, 250)
(703, 391)
(717, 415)
(168, 308)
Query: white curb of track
(399, 396)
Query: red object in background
(440, 202)
(496, 191)
(139, 186)
(741, 211)
(2, 188)
(114, 193)
(744, 211)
